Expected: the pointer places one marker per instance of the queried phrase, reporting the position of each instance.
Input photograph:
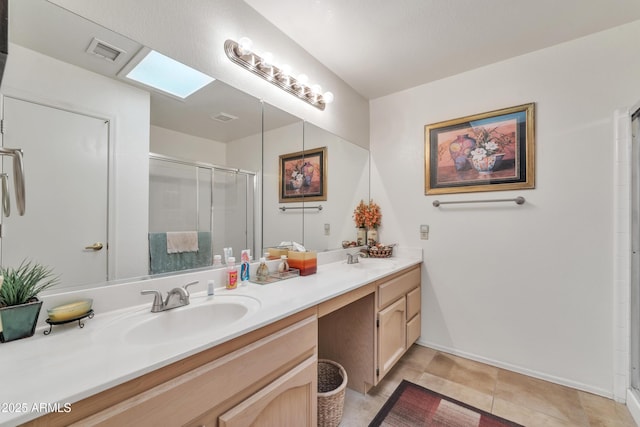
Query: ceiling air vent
(104, 50)
(223, 117)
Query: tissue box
(276, 253)
(306, 262)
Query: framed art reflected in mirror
(303, 176)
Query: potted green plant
(19, 303)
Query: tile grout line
(493, 393)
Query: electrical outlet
(327, 229)
(424, 232)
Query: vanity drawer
(413, 303)
(398, 286)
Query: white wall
(526, 287)
(187, 147)
(347, 184)
(35, 77)
(279, 226)
(194, 33)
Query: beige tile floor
(525, 400)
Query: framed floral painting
(303, 176)
(484, 152)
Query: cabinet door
(288, 401)
(392, 330)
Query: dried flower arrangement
(367, 215)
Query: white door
(66, 179)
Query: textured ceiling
(383, 46)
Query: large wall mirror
(111, 166)
(317, 224)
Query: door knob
(95, 247)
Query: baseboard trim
(633, 404)
(519, 369)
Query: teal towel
(162, 262)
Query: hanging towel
(182, 241)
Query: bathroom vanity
(261, 369)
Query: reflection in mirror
(212, 204)
(57, 73)
(347, 178)
(348, 183)
(282, 134)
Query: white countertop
(44, 372)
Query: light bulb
(267, 59)
(244, 45)
(303, 79)
(285, 70)
(316, 89)
(327, 97)
(284, 74)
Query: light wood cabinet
(369, 335)
(267, 375)
(392, 335)
(414, 301)
(285, 402)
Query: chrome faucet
(354, 258)
(176, 297)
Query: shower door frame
(212, 167)
(634, 294)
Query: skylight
(168, 75)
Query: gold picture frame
(484, 152)
(303, 176)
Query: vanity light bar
(242, 55)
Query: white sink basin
(198, 318)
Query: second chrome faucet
(176, 297)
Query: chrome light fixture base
(271, 73)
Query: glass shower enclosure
(213, 204)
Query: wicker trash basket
(332, 382)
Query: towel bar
(285, 208)
(519, 201)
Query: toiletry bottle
(284, 265)
(263, 271)
(244, 266)
(211, 284)
(228, 253)
(232, 273)
(217, 261)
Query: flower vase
(372, 236)
(361, 238)
(486, 165)
(459, 150)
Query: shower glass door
(216, 202)
(233, 209)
